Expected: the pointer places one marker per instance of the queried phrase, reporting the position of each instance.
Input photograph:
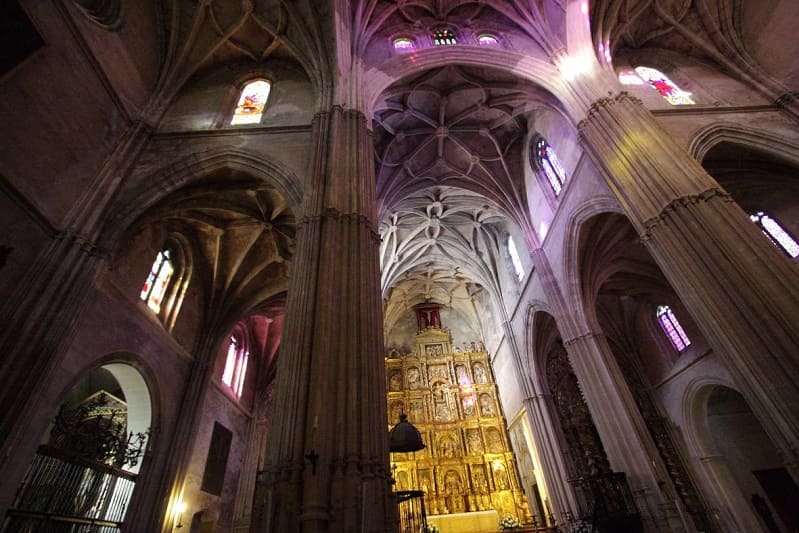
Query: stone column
(619, 423)
(742, 292)
(327, 469)
(551, 457)
(254, 454)
(546, 442)
(736, 512)
(38, 319)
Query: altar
(476, 522)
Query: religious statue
(395, 381)
(413, 378)
(486, 405)
(463, 377)
(473, 438)
(480, 373)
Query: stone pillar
(742, 292)
(546, 442)
(328, 467)
(622, 429)
(254, 455)
(736, 513)
(38, 319)
(551, 457)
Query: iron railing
(63, 493)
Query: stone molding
(331, 213)
(682, 202)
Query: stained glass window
(235, 367)
(251, 103)
(776, 233)
(672, 328)
(155, 287)
(515, 259)
(403, 43)
(486, 39)
(667, 88)
(444, 36)
(546, 161)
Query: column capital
(680, 203)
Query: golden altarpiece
(451, 398)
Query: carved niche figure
(473, 440)
(500, 477)
(463, 377)
(397, 408)
(433, 349)
(395, 381)
(424, 481)
(414, 381)
(486, 405)
(452, 482)
(443, 412)
(468, 406)
(438, 372)
(494, 440)
(402, 480)
(480, 375)
(447, 446)
(479, 479)
(417, 411)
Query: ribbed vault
(241, 231)
(456, 126)
(442, 245)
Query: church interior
(383, 266)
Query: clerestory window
(776, 234)
(545, 161)
(672, 328)
(252, 102)
(662, 84)
(235, 366)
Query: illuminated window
(514, 257)
(403, 44)
(547, 162)
(776, 233)
(251, 103)
(486, 39)
(672, 328)
(667, 89)
(155, 287)
(444, 36)
(235, 367)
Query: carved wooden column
(741, 291)
(327, 469)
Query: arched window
(672, 328)
(155, 286)
(662, 84)
(518, 268)
(776, 234)
(546, 161)
(251, 103)
(235, 366)
(444, 36)
(487, 39)
(403, 44)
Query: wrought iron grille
(63, 493)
